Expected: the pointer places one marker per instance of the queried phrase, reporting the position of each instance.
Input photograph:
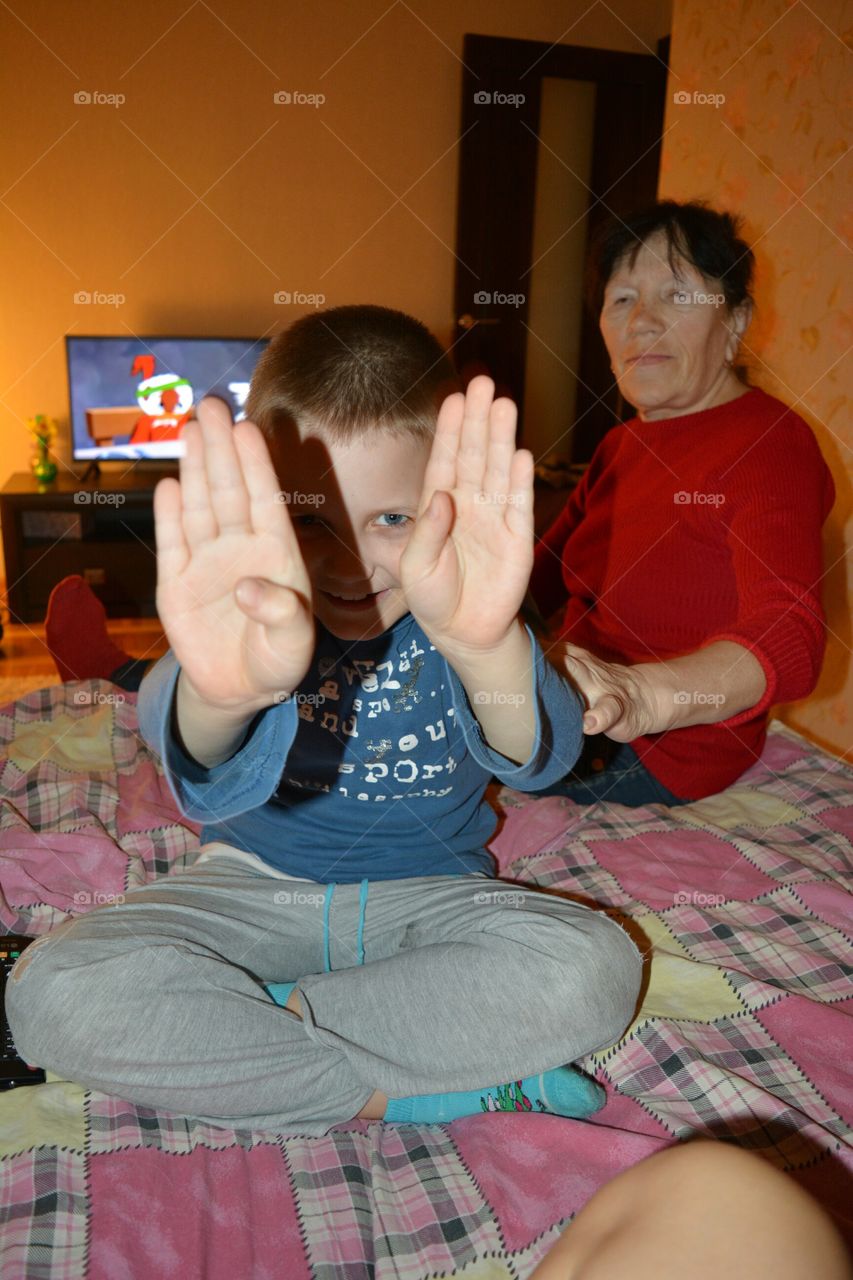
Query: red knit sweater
(689, 530)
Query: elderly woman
(686, 565)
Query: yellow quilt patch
(740, 807)
(42, 1115)
(79, 744)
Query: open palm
(233, 593)
(467, 563)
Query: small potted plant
(43, 431)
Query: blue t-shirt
(375, 767)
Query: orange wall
(198, 198)
(777, 151)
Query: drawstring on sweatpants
(362, 903)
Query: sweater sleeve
(238, 784)
(558, 734)
(777, 497)
(547, 582)
(547, 586)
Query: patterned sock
(76, 632)
(280, 991)
(564, 1091)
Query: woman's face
(669, 334)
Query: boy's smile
(353, 508)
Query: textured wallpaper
(758, 121)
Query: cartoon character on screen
(166, 402)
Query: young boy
(340, 579)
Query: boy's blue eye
(394, 516)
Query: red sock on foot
(76, 632)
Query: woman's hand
(706, 687)
(621, 701)
(233, 593)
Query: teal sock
(280, 991)
(563, 1091)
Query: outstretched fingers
(226, 485)
(173, 552)
(440, 473)
(475, 436)
(267, 509)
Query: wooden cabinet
(102, 528)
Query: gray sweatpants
(467, 982)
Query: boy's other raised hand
(466, 566)
(233, 592)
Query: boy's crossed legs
(159, 999)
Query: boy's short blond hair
(349, 370)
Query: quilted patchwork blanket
(740, 903)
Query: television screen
(131, 397)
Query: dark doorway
(554, 140)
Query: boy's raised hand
(466, 566)
(233, 592)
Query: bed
(740, 903)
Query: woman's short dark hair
(708, 240)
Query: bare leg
(374, 1108)
(705, 1210)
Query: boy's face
(353, 507)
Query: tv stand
(93, 469)
(102, 529)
